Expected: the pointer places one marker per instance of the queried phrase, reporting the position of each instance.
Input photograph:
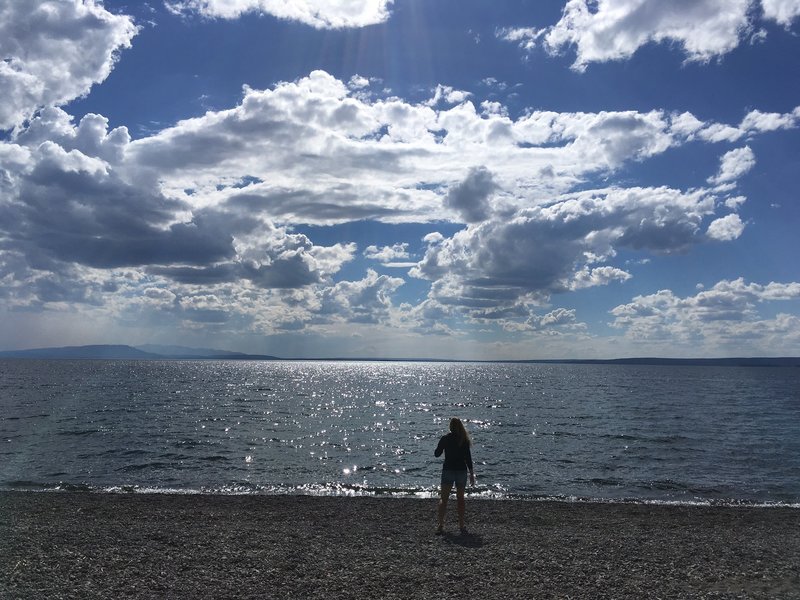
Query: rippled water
(585, 431)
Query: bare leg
(461, 506)
(445, 494)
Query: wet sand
(91, 545)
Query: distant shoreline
(124, 352)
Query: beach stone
(141, 546)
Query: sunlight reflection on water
(360, 428)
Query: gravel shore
(93, 545)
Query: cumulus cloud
(556, 318)
(470, 198)
(387, 254)
(322, 14)
(91, 136)
(313, 151)
(725, 228)
(159, 295)
(588, 277)
(724, 317)
(495, 268)
(54, 51)
(608, 30)
(433, 238)
(206, 207)
(365, 301)
(754, 122)
(733, 165)
(67, 211)
(782, 11)
(285, 261)
(448, 95)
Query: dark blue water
(686, 434)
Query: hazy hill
(185, 351)
(95, 351)
(129, 352)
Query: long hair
(457, 427)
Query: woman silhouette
(457, 461)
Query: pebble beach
(101, 545)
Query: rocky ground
(92, 545)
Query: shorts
(454, 476)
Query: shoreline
(99, 545)
(392, 494)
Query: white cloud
(755, 122)
(448, 95)
(68, 214)
(387, 254)
(159, 294)
(724, 319)
(735, 202)
(319, 153)
(725, 228)
(83, 199)
(733, 165)
(357, 82)
(91, 136)
(365, 301)
(559, 316)
(615, 29)
(494, 84)
(433, 238)
(588, 277)
(525, 37)
(497, 269)
(782, 11)
(322, 14)
(605, 30)
(54, 51)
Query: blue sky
(416, 178)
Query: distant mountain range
(162, 352)
(147, 352)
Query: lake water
(611, 432)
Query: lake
(607, 432)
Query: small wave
(39, 416)
(602, 481)
(174, 457)
(143, 466)
(134, 452)
(558, 434)
(664, 485)
(40, 486)
(620, 436)
(79, 432)
(74, 487)
(493, 493)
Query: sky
(521, 179)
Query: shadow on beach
(468, 540)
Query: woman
(457, 461)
